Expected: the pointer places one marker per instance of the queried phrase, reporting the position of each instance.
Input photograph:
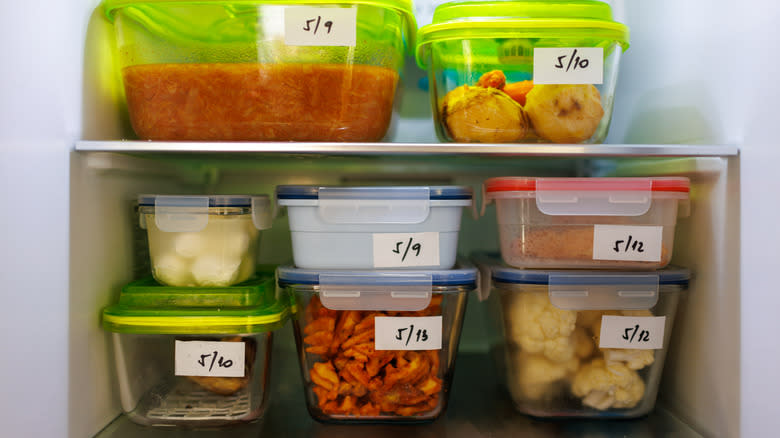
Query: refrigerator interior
(696, 74)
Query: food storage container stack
(378, 346)
(222, 70)
(194, 356)
(379, 296)
(522, 71)
(588, 342)
(582, 343)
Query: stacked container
(193, 344)
(380, 307)
(588, 342)
(194, 357)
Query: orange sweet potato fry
(323, 395)
(323, 323)
(377, 361)
(356, 370)
(430, 386)
(358, 338)
(320, 338)
(369, 410)
(518, 90)
(425, 406)
(323, 374)
(321, 350)
(344, 328)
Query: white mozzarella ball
(172, 270)
(214, 270)
(188, 245)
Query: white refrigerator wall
(697, 72)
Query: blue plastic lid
(214, 200)
(463, 276)
(668, 276)
(396, 192)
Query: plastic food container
(261, 70)
(378, 346)
(374, 227)
(623, 223)
(583, 343)
(203, 240)
(522, 71)
(194, 357)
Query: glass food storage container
(583, 343)
(374, 227)
(194, 357)
(203, 240)
(522, 71)
(216, 70)
(377, 346)
(621, 223)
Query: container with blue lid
(378, 345)
(374, 227)
(203, 241)
(581, 343)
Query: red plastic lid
(524, 184)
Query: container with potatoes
(522, 71)
(194, 356)
(582, 343)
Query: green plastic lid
(522, 19)
(146, 307)
(189, 23)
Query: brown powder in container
(567, 244)
(255, 102)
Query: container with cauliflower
(203, 241)
(587, 223)
(522, 71)
(194, 357)
(583, 343)
(378, 346)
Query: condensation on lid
(398, 192)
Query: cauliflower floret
(603, 386)
(583, 343)
(539, 327)
(188, 245)
(634, 358)
(533, 375)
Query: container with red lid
(587, 222)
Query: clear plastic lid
(374, 205)
(379, 289)
(596, 289)
(146, 307)
(188, 213)
(589, 196)
(438, 193)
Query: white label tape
(571, 65)
(407, 333)
(635, 332)
(395, 250)
(311, 26)
(626, 242)
(209, 359)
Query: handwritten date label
(407, 333)
(627, 242)
(638, 332)
(310, 26)
(573, 65)
(209, 359)
(394, 250)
